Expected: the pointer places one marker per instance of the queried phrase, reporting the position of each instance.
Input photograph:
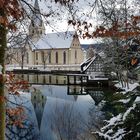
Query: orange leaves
(17, 115)
(115, 32)
(14, 85)
(4, 21)
(135, 19)
(15, 111)
(118, 29)
(134, 61)
(1, 78)
(10, 9)
(2, 98)
(17, 123)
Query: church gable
(75, 42)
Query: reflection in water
(63, 112)
(96, 93)
(25, 125)
(38, 100)
(44, 79)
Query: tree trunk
(2, 102)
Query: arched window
(56, 57)
(27, 58)
(75, 54)
(36, 55)
(49, 57)
(64, 57)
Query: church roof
(54, 41)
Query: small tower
(36, 28)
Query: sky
(59, 23)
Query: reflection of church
(97, 96)
(75, 90)
(46, 79)
(38, 100)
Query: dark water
(55, 111)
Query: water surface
(57, 111)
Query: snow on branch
(107, 131)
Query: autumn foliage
(17, 116)
(14, 85)
(117, 29)
(134, 61)
(10, 9)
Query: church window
(27, 58)
(43, 56)
(56, 57)
(36, 55)
(75, 54)
(49, 57)
(64, 57)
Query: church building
(52, 51)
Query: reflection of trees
(96, 118)
(50, 89)
(19, 126)
(68, 124)
(26, 132)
